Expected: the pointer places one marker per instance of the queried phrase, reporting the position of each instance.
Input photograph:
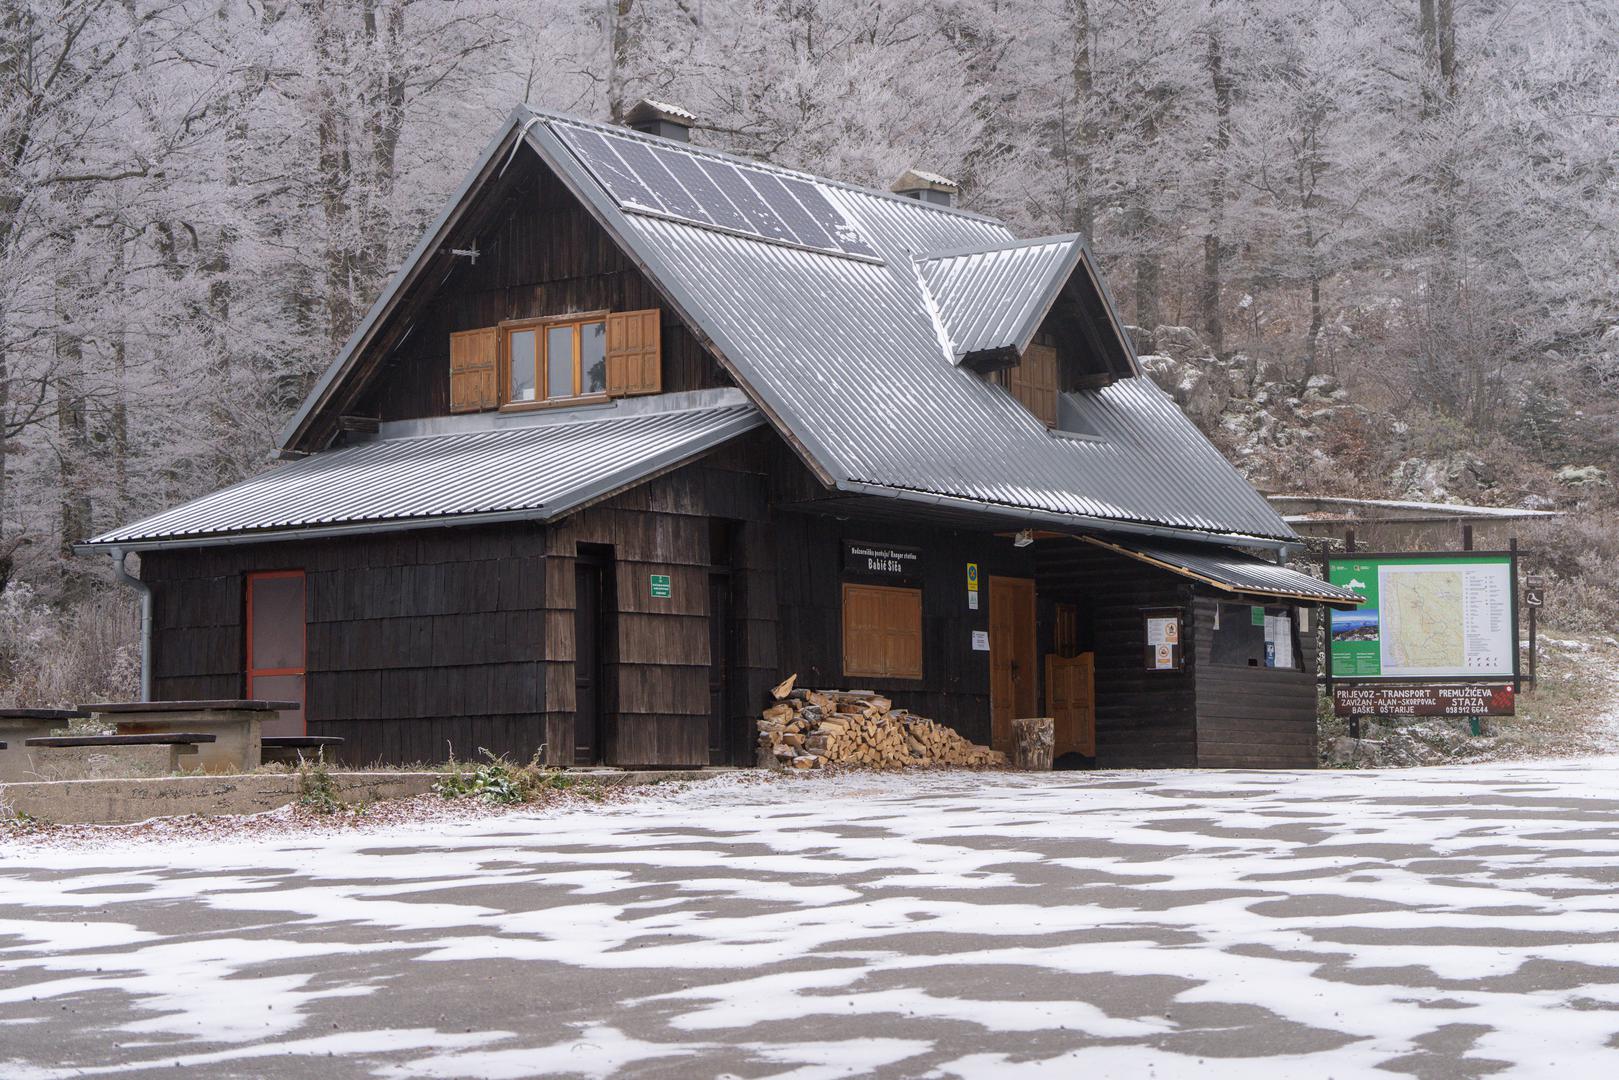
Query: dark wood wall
(1144, 719)
(419, 643)
(1254, 717)
(543, 254)
(658, 664)
(954, 688)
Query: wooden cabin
(687, 423)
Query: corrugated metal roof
(1233, 571)
(854, 361)
(994, 298)
(848, 355)
(537, 470)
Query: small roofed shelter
(692, 423)
(1404, 524)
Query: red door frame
(303, 639)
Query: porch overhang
(1231, 571)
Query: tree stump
(1033, 741)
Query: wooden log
(785, 687)
(1033, 742)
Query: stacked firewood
(806, 729)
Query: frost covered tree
(200, 198)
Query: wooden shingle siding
(418, 642)
(541, 255)
(657, 702)
(1144, 719)
(1254, 717)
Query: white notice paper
(980, 641)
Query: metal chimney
(926, 187)
(661, 119)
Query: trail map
(1424, 617)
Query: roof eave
(574, 500)
(1076, 521)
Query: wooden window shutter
(472, 370)
(882, 632)
(634, 353)
(1034, 382)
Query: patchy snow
(1241, 924)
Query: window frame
(542, 327)
(921, 630)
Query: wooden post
(1033, 743)
(1467, 538)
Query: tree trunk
(333, 164)
(1033, 743)
(621, 43)
(1213, 251)
(1083, 137)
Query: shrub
(316, 789)
(498, 780)
(88, 650)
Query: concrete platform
(124, 801)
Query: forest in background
(1403, 211)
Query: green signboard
(661, 589)
(1448, 616)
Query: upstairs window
(551, 361)
(531, 363)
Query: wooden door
(1071, 702)
(1013, 662)
(720, 635)
(276, 662)
(588, 576)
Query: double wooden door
(1014, 670)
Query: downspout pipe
(123, 575)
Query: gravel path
(1456, 922)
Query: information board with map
(1442, 616)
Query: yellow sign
(972, 577)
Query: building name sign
(890, 560)
(1376, 700)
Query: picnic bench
(178, 753)
(237, 726)
(17, 726)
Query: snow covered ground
(1445, 922)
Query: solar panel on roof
(828, 217)
(648, 165)
(692, 177)
(797, 218)
(610, 169)
(707, 191)
(731, 180)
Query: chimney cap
(660, 118)
(926, 187)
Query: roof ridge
(554, 116)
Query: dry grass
(1573, 711)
